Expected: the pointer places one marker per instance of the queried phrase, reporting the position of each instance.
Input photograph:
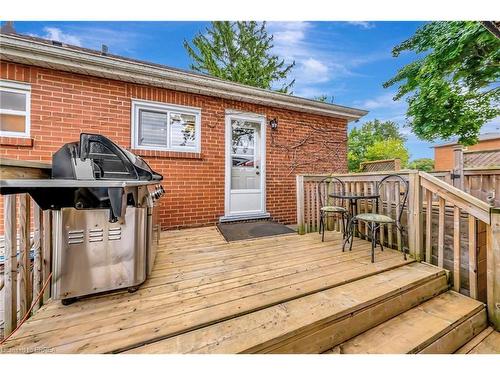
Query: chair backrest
(401, 197)
(329, 185)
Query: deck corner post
(24, 273)
(458, 168)
(493, 269)
(10, 270)
(415, 218)
(300, 204)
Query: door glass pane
(152, 128)
(182, 130)
(12, 123)
(12, 100)
(245, 172)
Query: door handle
(257, 173)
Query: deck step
(313, 323)
(487, 342)
(440, 325)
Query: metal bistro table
(353, 210)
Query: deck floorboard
(199, 279)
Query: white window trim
(21, 88)
(137, 105)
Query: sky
(348, 61)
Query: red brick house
(226, 151)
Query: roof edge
(15, 48)
(482, 138)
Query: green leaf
(452, 87)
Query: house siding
(65, 104)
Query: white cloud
(313, 71)
(288, 33)
(53, 33)
(318, 55)
(118, 41)
(315, 62)
(384, 101)
(362, 24)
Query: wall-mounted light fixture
(274, 124)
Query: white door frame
(261, 119)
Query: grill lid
(96, 157)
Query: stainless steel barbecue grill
(103, 201)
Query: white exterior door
(245, 166)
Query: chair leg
(351, 229)
(321, 226)
(374, 240)
(343, 226)
(403, 248)
(378, 238)
(322, 229)
(348, 236)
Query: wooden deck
(199, 281)
(487, 342)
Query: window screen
(153, 128)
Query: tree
(369, 133)
(452, 89)
(239, 52)
(422, 164)
(391, 148)
(324, 98)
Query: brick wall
(64, 104)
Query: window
(14, 109)
(157, 126)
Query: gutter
(15, 48)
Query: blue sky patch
(348, 61)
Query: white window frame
(19, 88)
(167, 108)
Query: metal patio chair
(375, 220)
(327, 210)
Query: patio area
(200, 280)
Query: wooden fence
(380, 165)
(475, 272)
(481, 159)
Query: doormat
(237, 231)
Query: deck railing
(469, 247)
(27, 258)
(27, 245)
(482, 183)
(308, 203)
